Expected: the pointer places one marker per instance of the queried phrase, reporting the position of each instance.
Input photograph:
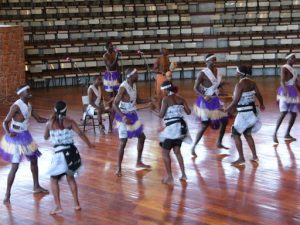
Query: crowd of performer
(120, 104)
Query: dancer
(128, 123)
(247, 120)
(288, 96)
(66, 159)
(17, 141)
(96, 104)
(208, 104)
(175, 131)
(112, 76)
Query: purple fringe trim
(215, 124)
(108, 88)
(133, 117)
(8, 157)
(213, 104)
(292, 93)
(23, 138)
(113, 75)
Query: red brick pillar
(12, 65)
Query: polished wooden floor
(215, 193)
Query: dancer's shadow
(172, 201)
(288, 186)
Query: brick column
(12, 65)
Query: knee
(123, 142)
(293, 114)
(142, 137)
(15, 167)
(247, 135)
(70, 178)
(34, 162)
(204, 125)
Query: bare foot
(56, 211)
(254, 160)
(40, 190)
(183, 178)
(143, 166)
(110, 130)
(6, 199)
(194, 155)
(219, 145)
(119, 173)
(238, 162)
(77, 208)
(289, 138)
(275, 140)
(168, 180)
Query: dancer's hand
(12, 134)
(207, 98)
(126, 120)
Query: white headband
(237, 70)
(165, 87)
(23, 89)
(61, 111)
(289, 56)
(210, 57)
(133, 72)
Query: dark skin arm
(73, 126)
(80, 133)
(12, 112)
(236, 97)
(38, 118)
(108, 62)
(284, 76)
(120, 95)
(259, 97)
(165, 104)
(201, 78)
(92, 99)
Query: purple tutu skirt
(289, 102)
(111, 81)
(135, 129)
(12, 149)
(209, 111)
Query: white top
(213, 89)
(61, 137)
(126, 107)
(98, 94)
(174, 111)
(292, 81)
(26, 112)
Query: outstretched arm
(113, 63)
(81, 134)
(116, 102)
(38, 118)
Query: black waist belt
(178, 120)
(64, 145)
(249, 107)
